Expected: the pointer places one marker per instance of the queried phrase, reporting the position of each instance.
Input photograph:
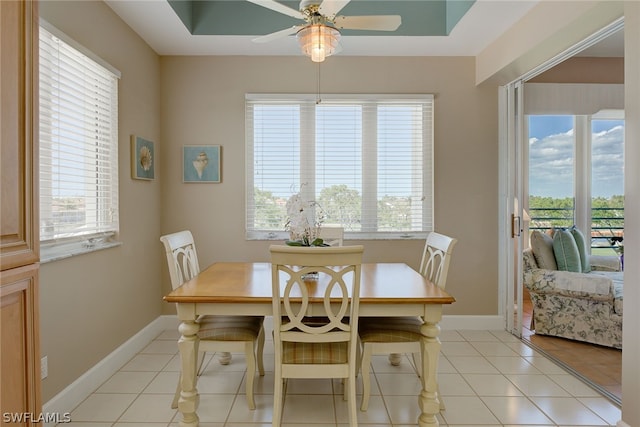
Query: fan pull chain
(318, 99)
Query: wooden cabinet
(18, 137)
(19, 358)
(19, 237)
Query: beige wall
(584, 70)
(550, 28)
(631, 329)
(91, 304)
(203, 103)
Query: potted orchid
(304, 220)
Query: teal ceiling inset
(455, 11)
(240, 17)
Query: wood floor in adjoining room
(601, 366)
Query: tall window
(552, 167)
(607, 181)
(366, 161)
(78, 143)
(576, 174)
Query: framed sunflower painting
(142, 158)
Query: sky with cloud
(551, 157)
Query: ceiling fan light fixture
(318, 41)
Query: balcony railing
(605, 222)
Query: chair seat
(230, 328)
(314, 353)
(390, 329)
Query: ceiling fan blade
(330, 8)
(278, 7)
(372, 22)
(278, 34)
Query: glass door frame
(512, 187)
(512, 164)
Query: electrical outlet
(44, 368)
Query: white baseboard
(473, 323)
(80, 389)
(622, 424)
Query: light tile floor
(487, 378)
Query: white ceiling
(156, 22)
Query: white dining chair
(315, 349)
(241, 334)
(392, 335)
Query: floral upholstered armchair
(583, 306)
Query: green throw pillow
(581, 243)
(566, 251)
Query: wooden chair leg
(278, 399)
(366, 376)
(358, 357)
(251, 373)
(260, 352)
(351, 401)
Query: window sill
(56, 252)
(281, 235)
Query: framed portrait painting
(142, 158)
(201, 163)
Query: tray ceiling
(227, 27)
(224, 17)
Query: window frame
(582, 167)
(368, 150)
(54, 246)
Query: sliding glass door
(512, 190)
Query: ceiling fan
(320, 33)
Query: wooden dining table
(244, 288)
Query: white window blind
(78, 143)
(366, 160)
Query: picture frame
(143, 158)
(201, 164)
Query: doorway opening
(577, 194)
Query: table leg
(429, 400)
(395, 358)
(225, 358)
(189, 398)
